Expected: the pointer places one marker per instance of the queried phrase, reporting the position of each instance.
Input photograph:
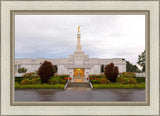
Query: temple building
(77, 65)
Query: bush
(111, 72)
(46, 71)
(31, 81)
(30, 75)
(122, 80)
(63, 81)
(125, 80)
(54, 80)
(132, 81)
(103, 80)
(22, 70)
(26, 81)
(36, 80)
(95, 82)
(127, 74)
(100, 81)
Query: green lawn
(39, 86)
(119, 86)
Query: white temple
(77, 65)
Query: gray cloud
(102, 36)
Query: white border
(153, 109)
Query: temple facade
(77, 65)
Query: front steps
(78, 84)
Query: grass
(119, 86)
(39, 86)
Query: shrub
(54, 80)
(26, 81)
(103, 80)
(63, 81)
(122, 80)
(111, 72)
(125, 80)
(30, 75)
(36, 80)
(46, 71)
(22, 70)
(95, 82)
(100, 81)
(132, 81)
(127, 74)
(31, 81)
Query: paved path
(80, 94)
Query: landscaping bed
(119, 86)
(39, 86)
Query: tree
(102, 68)
(55, 68)
(142, 60)
(22, 70)
(131, 68)
(111, 72)
(46, 71)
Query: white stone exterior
(77, 60)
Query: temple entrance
(78, 75)
(79, 72)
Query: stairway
(78, 84)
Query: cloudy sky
(102, 36)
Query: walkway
(80, 94)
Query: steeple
(78, 54)
(78, 47)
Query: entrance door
(79, 72)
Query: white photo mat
(7, 109)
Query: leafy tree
(111, 72)
(55, 68)
(131, 68)
(142, 60)
(22, 70)
(46, 71)
(102, 68)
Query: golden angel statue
(78, 29)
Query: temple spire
(78, 29)
(78, 47)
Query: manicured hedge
(119, 86)
(140, 79)
(39, 86)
